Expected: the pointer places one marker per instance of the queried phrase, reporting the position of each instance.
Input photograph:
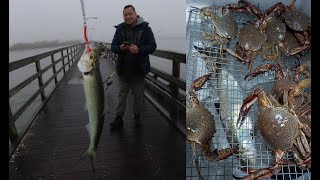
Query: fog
(38, 20)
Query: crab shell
(275, 31)
(200, 125)
(278, 127)
(297, 20)
(281, 85)
(250, 38)
(289, 42)
(225, 26)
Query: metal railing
(166, 91)
(74, 51)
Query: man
(133, 42)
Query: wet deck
(52, 147)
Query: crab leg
(291, 5)
(302, 164)
(300, 86)
(234, 54)
(299, 145)
(296, 50)
(306, 129)
(238, 8)
(261, 69)
(205, 50)
(303, 68)
(254, 9)
(275, 8)
(260, 174)
(266, 172)
(305, 144)
(196, 161)
(217, 155)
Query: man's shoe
(118, 122)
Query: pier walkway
(52, 146)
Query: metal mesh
(223, 96)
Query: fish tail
(92, 155)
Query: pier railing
(68, 56)
(166, 91)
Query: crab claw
(279, 7)
(247, 104)
(198, 83)
(254, 9)
(217, 155)
(265, 172)
(300, 86)
(303, 68)
(296, 50)
(205, 50)
(261, 69)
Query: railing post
(68, 56)
(68, 62)
(77, 53)
(64, 70)
(54, 69)
(175, 89)
(40, 80)
(71, 49)
(12, 128)
(175, 73)
(74, 54)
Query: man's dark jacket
(145, 42)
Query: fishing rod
(109, 83)
(85, 26)
(87, 41)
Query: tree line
(42, 44)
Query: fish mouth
(87, 73)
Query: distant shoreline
(41, 44)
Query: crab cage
(223, 95)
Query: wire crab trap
(223, 96)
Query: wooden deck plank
(55, 141)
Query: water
(174, 44)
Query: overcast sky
(36, 20)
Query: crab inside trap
(223, 96)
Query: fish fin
(85, 107)
(88, 128)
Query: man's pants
(136, 83)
